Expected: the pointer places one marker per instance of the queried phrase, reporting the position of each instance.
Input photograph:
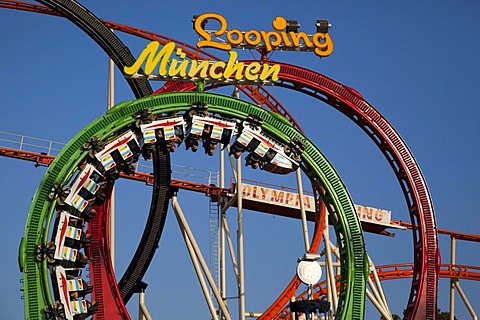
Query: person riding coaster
(210, 131)
(119, 155)
(70, 291)
(168, 131)
(264, 152)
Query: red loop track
(108, 297)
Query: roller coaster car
(85, 188)
(264, 151)
(68, 287)
(211, 131)
(169, 131)
(68, 240)
(46, 252)
(60, 193)
(119, 155)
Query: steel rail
(335, 195)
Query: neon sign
(320, 43)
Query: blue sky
(416, 62)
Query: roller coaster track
(109, 298)
(423, 295)
(422, 300)
(450, 271)
(45, 160)
(346, 224)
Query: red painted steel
(452, 234)
(102, 275)
(46, 160)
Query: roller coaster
(66, 225)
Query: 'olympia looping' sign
(171, 62)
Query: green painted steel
(354, 265)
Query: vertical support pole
(141, 301)
(230, 247)
(111, 216)
(143, 313)
(292, 314)
(241, 275)
(378, 284)
(232, 165)
(331, 285)
(198, 271)
(302, 211)
(452, 281)
(222, 262)
(223, 216)
(310, 297)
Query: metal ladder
(214, 230)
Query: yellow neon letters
(171, 66)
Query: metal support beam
(232, 165)
(376, 295)
(385, 315)
(373, 270)
(197, 254)
(111, 216)
(230, 246)
(229, 203)
(198, 271)
(306, 239)
(452, 281)
(241, 270)
(143, 313)
(465, 300)
(329, 274)
(221, 234)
